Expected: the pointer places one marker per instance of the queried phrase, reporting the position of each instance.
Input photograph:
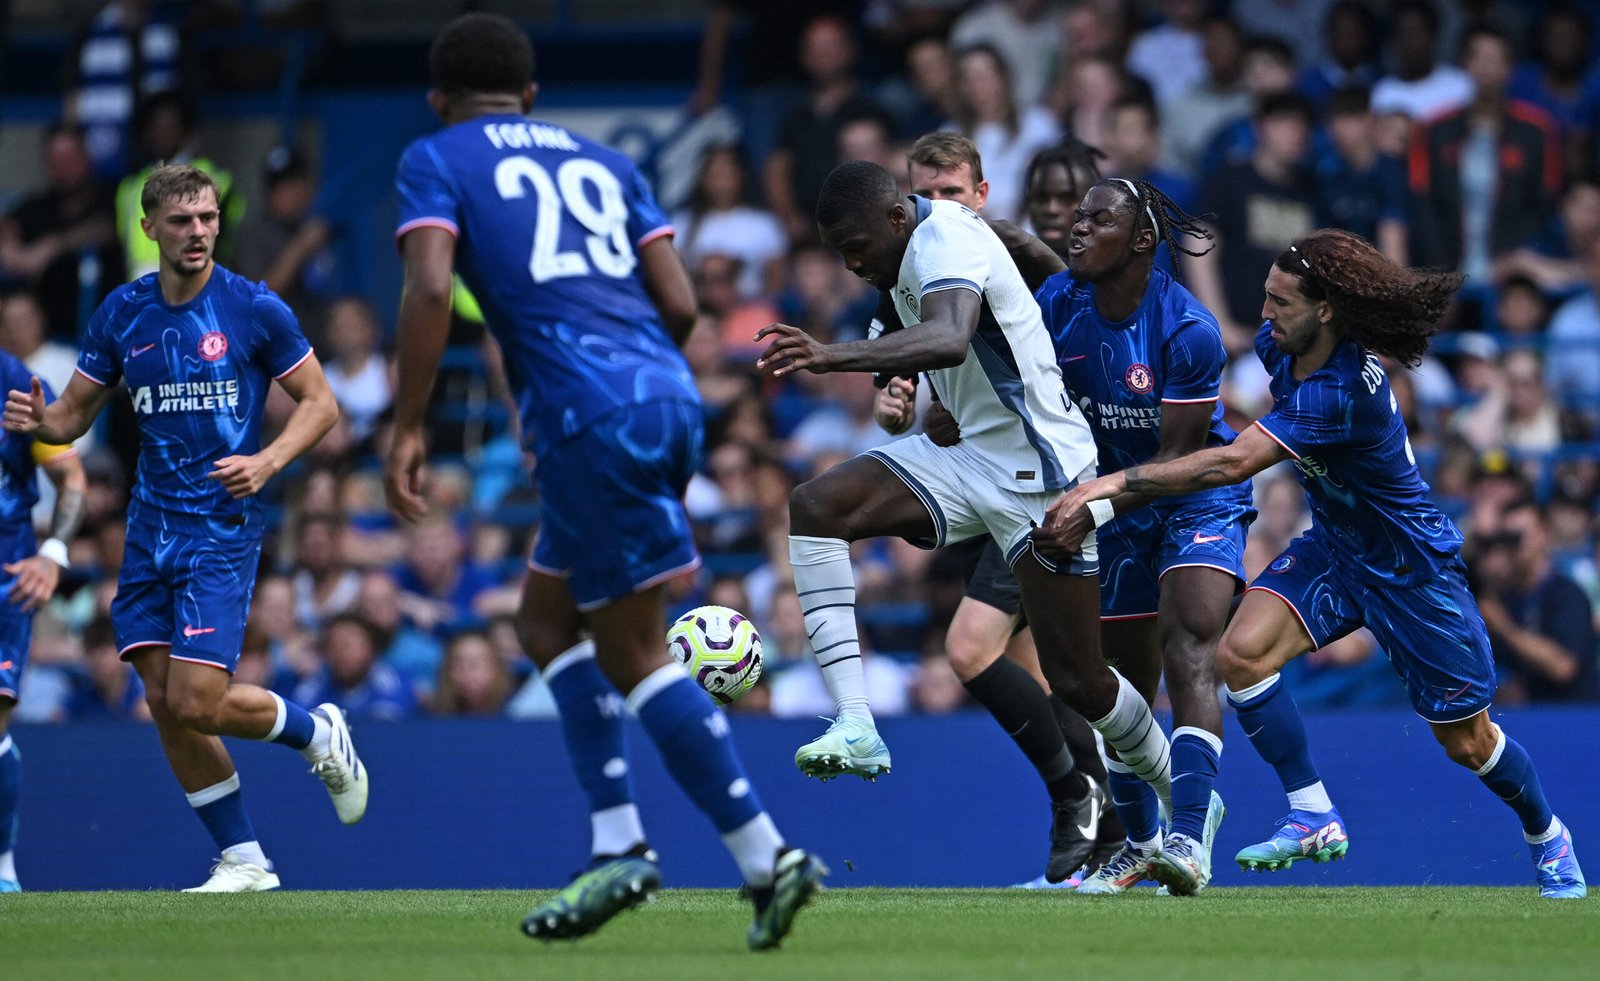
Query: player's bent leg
(210, 784)
(1134, 643)
(1265, 634)
(860, 498)
(1505, 768)
(10, 790)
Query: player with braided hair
(1379, 554)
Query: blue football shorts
(1432, 632)
(612, 521)
(189, 592)
(1142, 546)
(17, 541)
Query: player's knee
(193, 710)
(1470, 748)
(1240, 662)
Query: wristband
(1101, 511)
(55, 550)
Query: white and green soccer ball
(720, 648)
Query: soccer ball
(721, 649)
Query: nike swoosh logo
(852, 742)
(1247, 732)
(139, 350)
(1075, 357)
(812, 635)
(189, 631)
(1200, 539)
(1090, 827)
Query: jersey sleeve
(1319, 413)
(279, 340)
(1267, 349)
(950, 255)
(1194, 360)
(98, 358)
(427, 197)
(646, 221)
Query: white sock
(615, 829)
(247, 851)
(1549, 834)
(754, 845)
(8, 866)
(1140, 744)
(1147, 848)
(321, 739)
(1313, 798)
(827, 588)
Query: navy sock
(1195, 754)
(1510, 774)
(221, 809)
(1023, 710)
(10, 789)
(294, 727)
(1136, 803)
(591, 725)
(1272, 723)
(692, 736)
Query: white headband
(1139, 199)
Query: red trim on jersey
(653, 234)
(294, 367)
(1275, 439)
(1187, 401)
(91, 377)
(416, 223)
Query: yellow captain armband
(49, 452)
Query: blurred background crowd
(1462, 135)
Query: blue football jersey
(547, 227)
(1343, 427)
(19, 452)
(1121, 372)
(198, 374)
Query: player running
(973, 326)
(31, 573)
(562, 243)
(1379, 554)
(198, 347)
(988, 643)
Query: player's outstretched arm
(63, 420)
(1035, 260)
(429, 253)
(669, 286)
(1252, 452)
(315, 412)
(949, 318)
(37, 576)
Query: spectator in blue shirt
(353, 677)
(1359, 188)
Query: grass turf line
(1432, 932)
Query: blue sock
(692, 736)
(1510, 774)
(591, 725)
(1135, 801)
(294, 727)
(1271, 721)
(1195, 754)
(221, 809)
(10, 790)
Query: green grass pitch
(1433, 932)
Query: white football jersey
(1007, 396)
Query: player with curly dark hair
(1379, 554)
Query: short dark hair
(1269, 44)
(853, 192)
(1416, 8)
(1284, 104)
(480, 53)
(1351, 100)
